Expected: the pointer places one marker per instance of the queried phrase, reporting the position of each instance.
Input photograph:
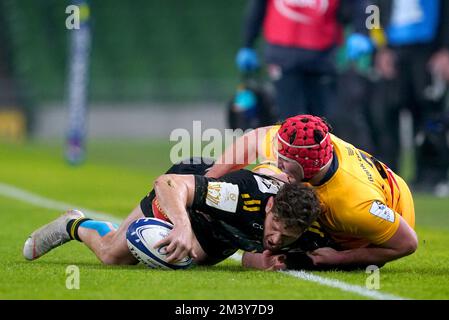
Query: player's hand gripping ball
(141, 237)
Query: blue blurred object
(252, 105)
(75, 152)
(247, 60)
(414, 22)
(78, 85)
(358, 45)
(246, 101)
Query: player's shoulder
(245, 174)
(242, 176)
(267, 132)
(355, 166)
(238, 175)
(271, 131)
(253, 181)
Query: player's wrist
(252, 260)
(183, 222)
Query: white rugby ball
(141, 237)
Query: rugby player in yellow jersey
(367, 209)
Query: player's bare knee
(108, 258)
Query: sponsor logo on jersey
(382, 211)
(223, 196)
(268, 185)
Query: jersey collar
(332, 170)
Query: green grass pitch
(113, 180)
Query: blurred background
(153, 66)
(146, 56)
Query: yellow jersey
(362, 199)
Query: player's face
(276, 236)
(292, 168)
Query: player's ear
(270, 204)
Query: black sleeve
(224, 196)
(199, 197)
(211, 200)
(254, 17)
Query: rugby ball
(141, 237)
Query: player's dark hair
(296, 205)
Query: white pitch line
(10, 191)
(39, 201)
(373, 294)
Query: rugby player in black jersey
(212, 218)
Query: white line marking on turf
(373, 294)
(362, 291)
(39, 201)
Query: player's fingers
(176, 255)
(314, 252)
(277, 266)
(193, 254)
(279, 263)
(267, 253)
(162, 242)
(313, 256)
(280, 266)
(171, 256)
(281, 258)
(173, 246)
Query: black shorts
(216, 249)
(193, 166)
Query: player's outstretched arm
(264, 261)
(403, 243)
(244, 151)
(175, 193)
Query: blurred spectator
(301, 39)
(356, 80)
(354, 93)
(414, 67)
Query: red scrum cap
(305, 139)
